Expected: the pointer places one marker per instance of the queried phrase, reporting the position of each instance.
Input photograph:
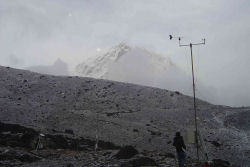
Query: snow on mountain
(98, 66)
(135, 65)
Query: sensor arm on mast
(201, 43)
(181, 45)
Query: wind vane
(195, 110)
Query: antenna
(195, 110)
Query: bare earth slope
(124, 114)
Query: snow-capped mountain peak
(117, 51)
(97, 66)
(125, 56)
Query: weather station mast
(192, 64)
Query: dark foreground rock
(126, 152)
(16, 157)
(17, 136)
(220, 163)
(140, 161)
(14, 135)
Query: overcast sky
(37, 32)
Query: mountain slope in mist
(57, 68)
(139, 66)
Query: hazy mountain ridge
(57, 68)
(102, 63)
(137, 65)
(124, 114)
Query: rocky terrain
(72, 114)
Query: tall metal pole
(195, 111)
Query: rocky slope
(119, 113)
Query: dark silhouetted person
(179, 145)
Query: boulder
(126, 152)
(220, 163)
(140, 161)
